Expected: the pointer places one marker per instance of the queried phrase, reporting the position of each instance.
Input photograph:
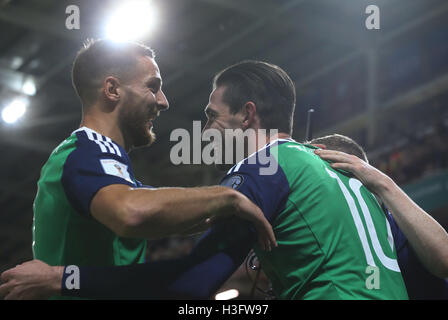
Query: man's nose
(162, 102)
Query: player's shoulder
(292, 147)
(262, 162)
(86, 149)
(293, 155)
(90, 143)
(96, 154)
(61, 153)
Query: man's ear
(111, 90)
(249, 114)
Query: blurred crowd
(418, 158)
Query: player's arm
(156, 213)
(213, 260)
(198, 275)
(97, 189)
(426, 236)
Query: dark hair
(342, 143)
(265, 84)
(98, 59)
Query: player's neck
(105, 126)
(280, 135)
(263, 139)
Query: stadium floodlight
(131, 21)
(227, 295)
(14, 111)
(29, 87)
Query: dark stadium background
(387, 89)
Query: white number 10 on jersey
(355, 186)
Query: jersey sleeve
(268, 191)
(198, 275)
(400, 240)
(87, 170)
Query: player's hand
(31, 280)
(247, 210)
(370, 177)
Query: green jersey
(334, 241)
(64, 232)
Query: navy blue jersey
(64, 232)
(95, 162)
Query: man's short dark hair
(98, 59)
(342, 143)
(265, 84)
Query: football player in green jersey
(425, 234)
(89, 208)
(422, 245)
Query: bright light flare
(14, 111)
(131, 21)
(29, 87)
(227, 295)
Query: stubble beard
(136, 130)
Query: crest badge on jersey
(116, 168)
(234, 181)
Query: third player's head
(120, 81)
(339, 142)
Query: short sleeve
(268, 192)
(86, 171)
